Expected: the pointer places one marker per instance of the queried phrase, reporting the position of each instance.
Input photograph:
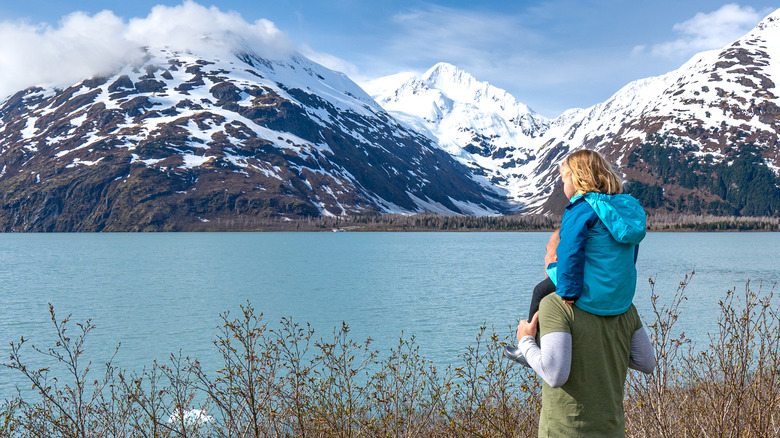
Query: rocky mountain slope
(482, 126)
(181, 141)
(703, 138)
(700, 139)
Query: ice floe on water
(191, 416)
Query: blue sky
(551, 55)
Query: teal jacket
(596, 264)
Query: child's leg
(544, 288)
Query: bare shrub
(70, 407)
(729, 389)
(407, 394)
(280, 382)
(492, 396)
(244, 391)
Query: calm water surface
(161, 293)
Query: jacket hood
(621, 214)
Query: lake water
(159, 293)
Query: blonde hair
(590, 172)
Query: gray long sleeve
(642, 356)
(553, 362)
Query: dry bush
(490, 395)
(728, 389)
(278, 383)
(281, 382)
(71, 407)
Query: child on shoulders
(600, 232)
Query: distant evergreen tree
(748, 185)
(694, 204)
(745, 185)
(647, 195)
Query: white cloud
(444, 33)
(332, 62)
(191, 26)
(707, 31)
(83, 46)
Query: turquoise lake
(160, 293)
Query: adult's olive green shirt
(590, 403)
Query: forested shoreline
(437, 222)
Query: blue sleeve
(577, 220)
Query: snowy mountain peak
(182, 140)
(461, 86)
(483, 126)
(447, 75)
(770, 21)
(444, 87)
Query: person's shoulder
(633, 315)
(553, 303)
(555, 315)
(576, 203)
(579, 209)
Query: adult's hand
(527, 328)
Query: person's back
(600, 235)
(590, 402)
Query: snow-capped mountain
(675, 137)
(182, 139)
(684, 130)
(482, 126)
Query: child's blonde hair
(590, 172)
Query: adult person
(590, 330)
(583, 361)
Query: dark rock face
(186, 142)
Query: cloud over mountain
(706, 31)
(83, 45)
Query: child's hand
(569, 302)
(527, 328)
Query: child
(599, 237)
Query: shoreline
(429, 222)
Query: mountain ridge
(180, 140)
(475, 122)
(716, 100)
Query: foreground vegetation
(283, 381)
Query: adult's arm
(553, 363)
(642, 356)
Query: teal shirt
(600, 235)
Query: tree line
(438, 222)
